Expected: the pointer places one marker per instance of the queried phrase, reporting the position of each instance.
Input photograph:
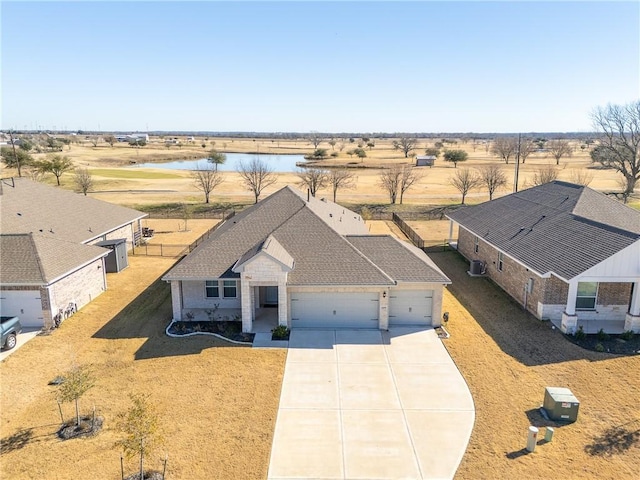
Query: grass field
(131, 173)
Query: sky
(421, 66)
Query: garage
(334, 310)
(410, 307)
(24, 304)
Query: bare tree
(257, 176)
(465, 180)
(493, 178)
(340, 178)
(390, 181)
(316, 139)
(559, 149)
(206, 178)
(408, 177)
(313, 178)
(619, 140)
(405, 144)
(110, 139)
(94, 140)
(580, 177)
(544, 174)
(505, 148)
(527, 147)
(83, 180)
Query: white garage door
(410, 307)
(25, 305)
(334, 310)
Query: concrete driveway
(23, 337)
(365, 404)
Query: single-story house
(50, 263)
(567, 253)
(425, 160)
(306, 262)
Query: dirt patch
(508, 357)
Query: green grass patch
(131, 173)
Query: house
(50, 263)
(305, 262)
(566, 252)
(425, 160)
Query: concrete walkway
(365, 404)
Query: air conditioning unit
(560, 404)
(477, 267)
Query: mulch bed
(612, 344)
(88, 427)
(228, 329)
(148, 475)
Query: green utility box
(560, 404)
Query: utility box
(117, 259)
(560, 404)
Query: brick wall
(610, 293)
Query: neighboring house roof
(32, 207)
(29, 259)
(312, 232)
(557, 227)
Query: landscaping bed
(228, 328)
(625, 344)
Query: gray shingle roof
(312, 233)
(27, 259)
(272, 248)
(393, 256)
(29, 206)
(557, 227)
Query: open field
(116, 182)
(507, 358)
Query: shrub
(602, 336)
(281, 332)
(580, 335)
(599, 347)
(628, 335)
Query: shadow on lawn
(25, 436)
(147, 316)
(517, 332)
(615, 440)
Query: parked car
(10, 329)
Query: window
(476, 245)
(211, 289)
(500, 261)
(229, 288)
(587, 294)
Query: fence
(428, 245)
(176, 250)
(195, 215)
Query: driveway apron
(366, 404)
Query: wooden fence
(427, 245)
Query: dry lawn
(218, 402)
(507, 358)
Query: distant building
(425, 160)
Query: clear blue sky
(329, 67)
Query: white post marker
(532, 439)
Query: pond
(279, 163)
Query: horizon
(298, 67)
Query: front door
(271, 296)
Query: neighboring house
(566, 252)
(311, 261)
(49, 261)
(425, 160)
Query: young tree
(464, 181)
(371, 145)
(26, 145)
(619, 143)
(505, 147)
(140, 427)
(257, 176)
(15, 158)
(434, 152)
(313, 178)
(527, 147)
(493, 178)
(361, 153)
(340, 178)
(545, 174)
(332, 142)
(559, 149)
(206, 178)
(455, 156)
(110, 139)
(319, 153)
(56, 164)
(405, 145)
(408, 177)
(217, 158)
(83, 180)
(77, 381)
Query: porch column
(176, 299)
(569, 323)
(247, 307)
(632, 319)
(283, 313)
